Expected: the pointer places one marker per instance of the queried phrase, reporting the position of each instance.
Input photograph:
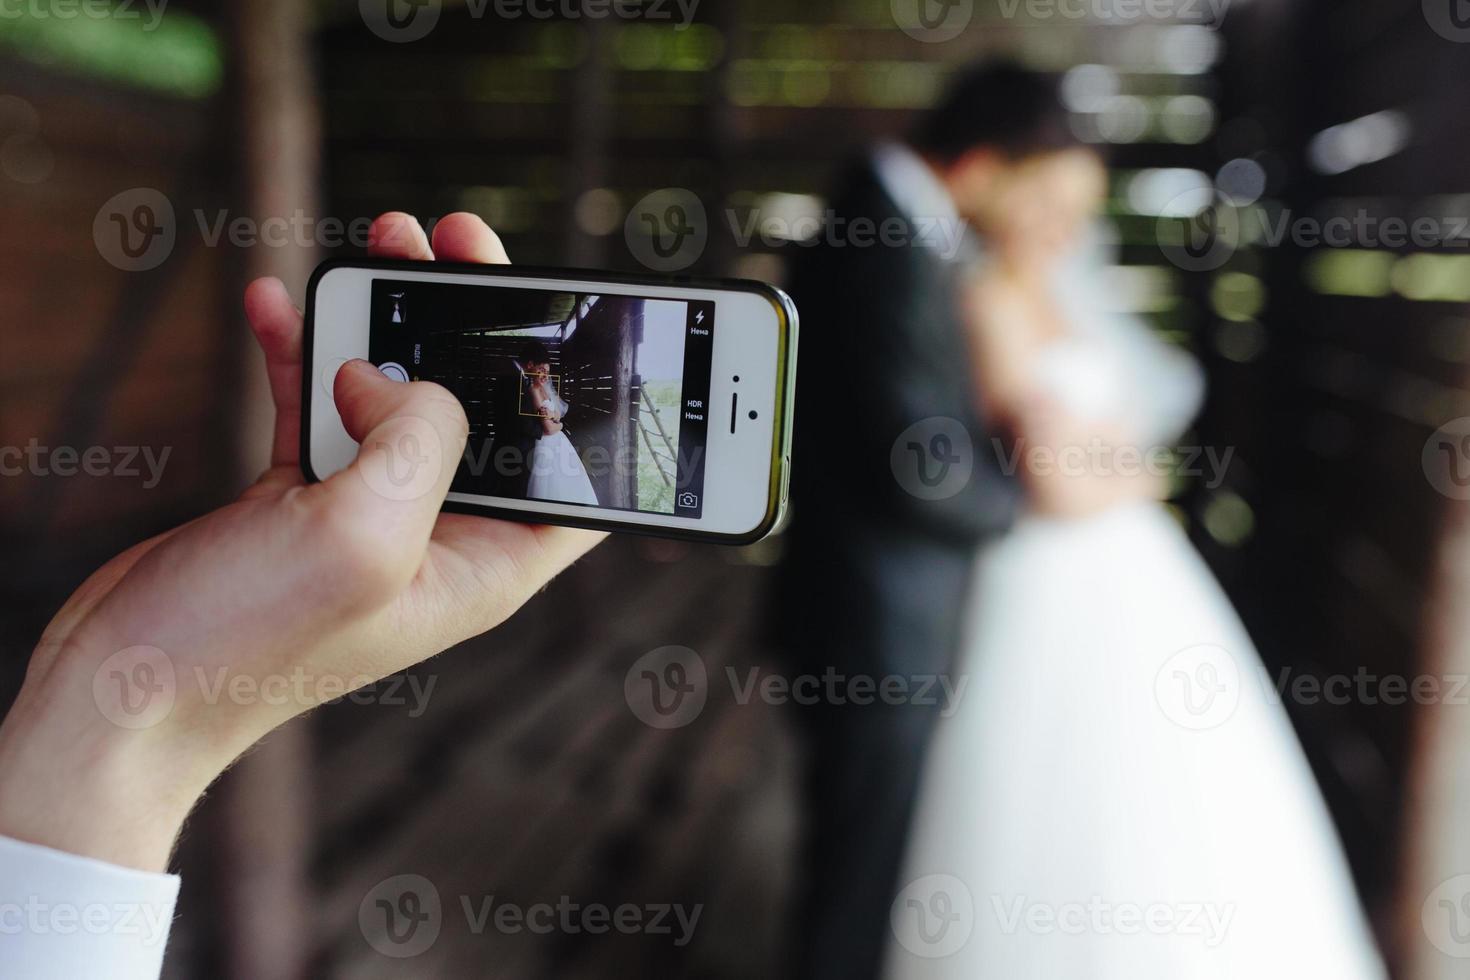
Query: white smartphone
(625, 403)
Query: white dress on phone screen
(557, 473)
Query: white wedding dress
(1119, 794)
(557, 473)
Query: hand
(123, 721)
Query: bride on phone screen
(557, 472)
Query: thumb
(411, 437)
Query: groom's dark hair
(996, 104)
(535, 352)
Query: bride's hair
(535, 352)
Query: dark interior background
(527, 776)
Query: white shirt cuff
(72, 917)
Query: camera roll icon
(401, 916)
(667, 688)
(933, 917)
(687, 500)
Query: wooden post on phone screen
(263, 804)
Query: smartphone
(624, 403)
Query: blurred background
(513, 766)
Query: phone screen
(573, 398)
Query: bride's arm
(550, 424)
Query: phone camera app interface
(572, 398)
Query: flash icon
(699, 317)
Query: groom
(896, 485)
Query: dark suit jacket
(879, 572)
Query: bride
(1120, 793)
(556, 470)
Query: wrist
(73, 780)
